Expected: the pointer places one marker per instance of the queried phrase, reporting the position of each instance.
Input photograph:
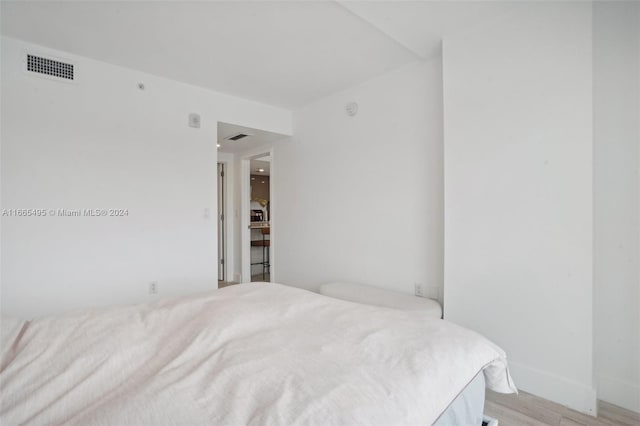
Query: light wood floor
(529, 410)
(255, 278)
(259, 277)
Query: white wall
(616, 38)
(102, 143)
(360, 198)
(518, 193)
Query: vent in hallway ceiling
(237, 137)
(50, 67)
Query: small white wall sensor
(352, 109)
(194, 120)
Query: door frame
(229, 216)
(221, 218)
(245, 197)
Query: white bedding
(248, 354)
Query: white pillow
(369, 295)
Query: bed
(260, 354)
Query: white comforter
(262, 354)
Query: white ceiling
(253, 143)
(280, 53)
(284, 53)
(257, 165)
(421, 25)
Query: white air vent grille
(50, 67)
(237, 137)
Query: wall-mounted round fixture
(352, 109)
(141, 86)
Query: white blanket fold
(262, 354)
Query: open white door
(222, 235)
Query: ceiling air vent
(46, 66)
(237, 137)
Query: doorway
(260, 218)
(257, 218)
(249, 241)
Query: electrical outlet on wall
(153, 287)
(419, 290)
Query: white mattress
(251, 354)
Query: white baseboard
(620, 392)
(561, 390)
